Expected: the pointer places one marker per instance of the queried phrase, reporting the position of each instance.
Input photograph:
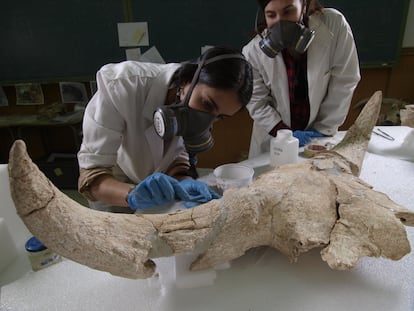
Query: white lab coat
(333, 74)
(118, 127)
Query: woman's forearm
(107, 189)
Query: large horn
(355, 143)
(293, 208)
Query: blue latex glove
(157, 189)
(199, 192)
(306, 136)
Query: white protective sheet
(263, 279)
(401, 147)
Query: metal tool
(381, 133)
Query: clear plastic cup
(233, 176)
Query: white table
(263, 279)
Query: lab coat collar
(158, 90)
(318, 52)
(322, 40)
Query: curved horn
(355, 143)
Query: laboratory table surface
(262, 279)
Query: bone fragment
(320, 203)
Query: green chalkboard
(378, 27)
(69, 39)
(42, 40)
(179, 28)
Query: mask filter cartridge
(193, 125)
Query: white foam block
(185, 278)
(262, 279)
(7, 246)
(17, 229)
(400, 147)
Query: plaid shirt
(298, 93)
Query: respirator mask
(286, 34)
(181, 120)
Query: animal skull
(320, 203)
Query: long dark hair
(230, 73)
(314, 5)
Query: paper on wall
(73, 92)
(152, 56)
(133, 34)
(29, 94)
(133, 54)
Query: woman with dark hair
(305, 68)
(146, 123)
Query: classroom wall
(232, 136)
